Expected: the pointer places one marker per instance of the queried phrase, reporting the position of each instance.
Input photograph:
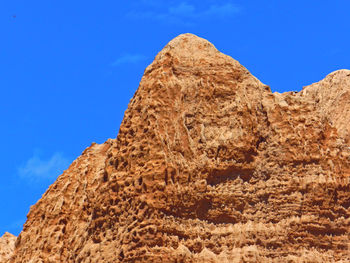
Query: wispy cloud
(224, 10)
(128, 59)
(187, 14)
(37, 168)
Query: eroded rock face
(331, 97)
(7, 245)
(208, 166)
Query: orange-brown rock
(331, 97)
(208, 166)
(7, 245)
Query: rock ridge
(208, 166)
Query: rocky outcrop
(7, 245)
(208, 166)
(331, 97)
(59, 221)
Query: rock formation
(331, 97)
(7, 245)
(209, 166)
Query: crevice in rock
(229, 174)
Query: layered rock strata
(208, 166)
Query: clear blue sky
(69, 68)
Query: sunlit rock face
(208, 166)
(7, 245)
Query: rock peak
(7, 234)
(189, 55)
(190, 41)
(187, 47)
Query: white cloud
(37, 168)
(224, 10)
(187, 14)
(128, 59)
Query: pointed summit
(189, 41)
(190, 52)
(189, 45)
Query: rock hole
(230, 174)
(172, 176)
(121, 255)
(115, 187)
(116, 164)
(105, 176)
(166, 177)
(202, 209)
(63, 221)
(260, 140)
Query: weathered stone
(208, 166)
(7, 245)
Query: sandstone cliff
(208, 166)
(7, 245)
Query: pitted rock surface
(208, 166)
(331, 97)
(7, 245)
